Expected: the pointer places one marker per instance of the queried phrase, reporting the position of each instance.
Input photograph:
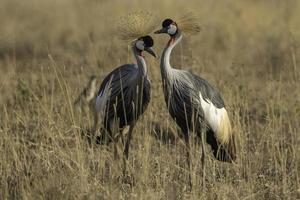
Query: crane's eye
(140, 45)
(172, 29)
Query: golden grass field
(249, 50)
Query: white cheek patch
(172, 29)
(140, 45)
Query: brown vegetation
(249, 50)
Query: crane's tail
(226, 151)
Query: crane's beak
(163, 30)
(150, 51)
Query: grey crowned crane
(192, 102)
(125, 92)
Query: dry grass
(249, 50)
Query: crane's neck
(165, 66)
(140, 61)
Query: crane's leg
(94, 129)
(115, 141)
(129, 136)
(188, 157)
(122, 138)
(114, 128)
(126, 149)
(203, 139)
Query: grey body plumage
(182, 98)
(129, 95)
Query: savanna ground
(249, 50)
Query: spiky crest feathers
(136, 25)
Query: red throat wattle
(141, 54)
(171, 41)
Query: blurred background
(249, 50)
(260, 36)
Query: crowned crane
(125, 93)
(192, 102)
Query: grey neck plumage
(165, 66)
(140, 61)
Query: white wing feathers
(217, 119)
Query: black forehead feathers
(167, 22)
(148, 41)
